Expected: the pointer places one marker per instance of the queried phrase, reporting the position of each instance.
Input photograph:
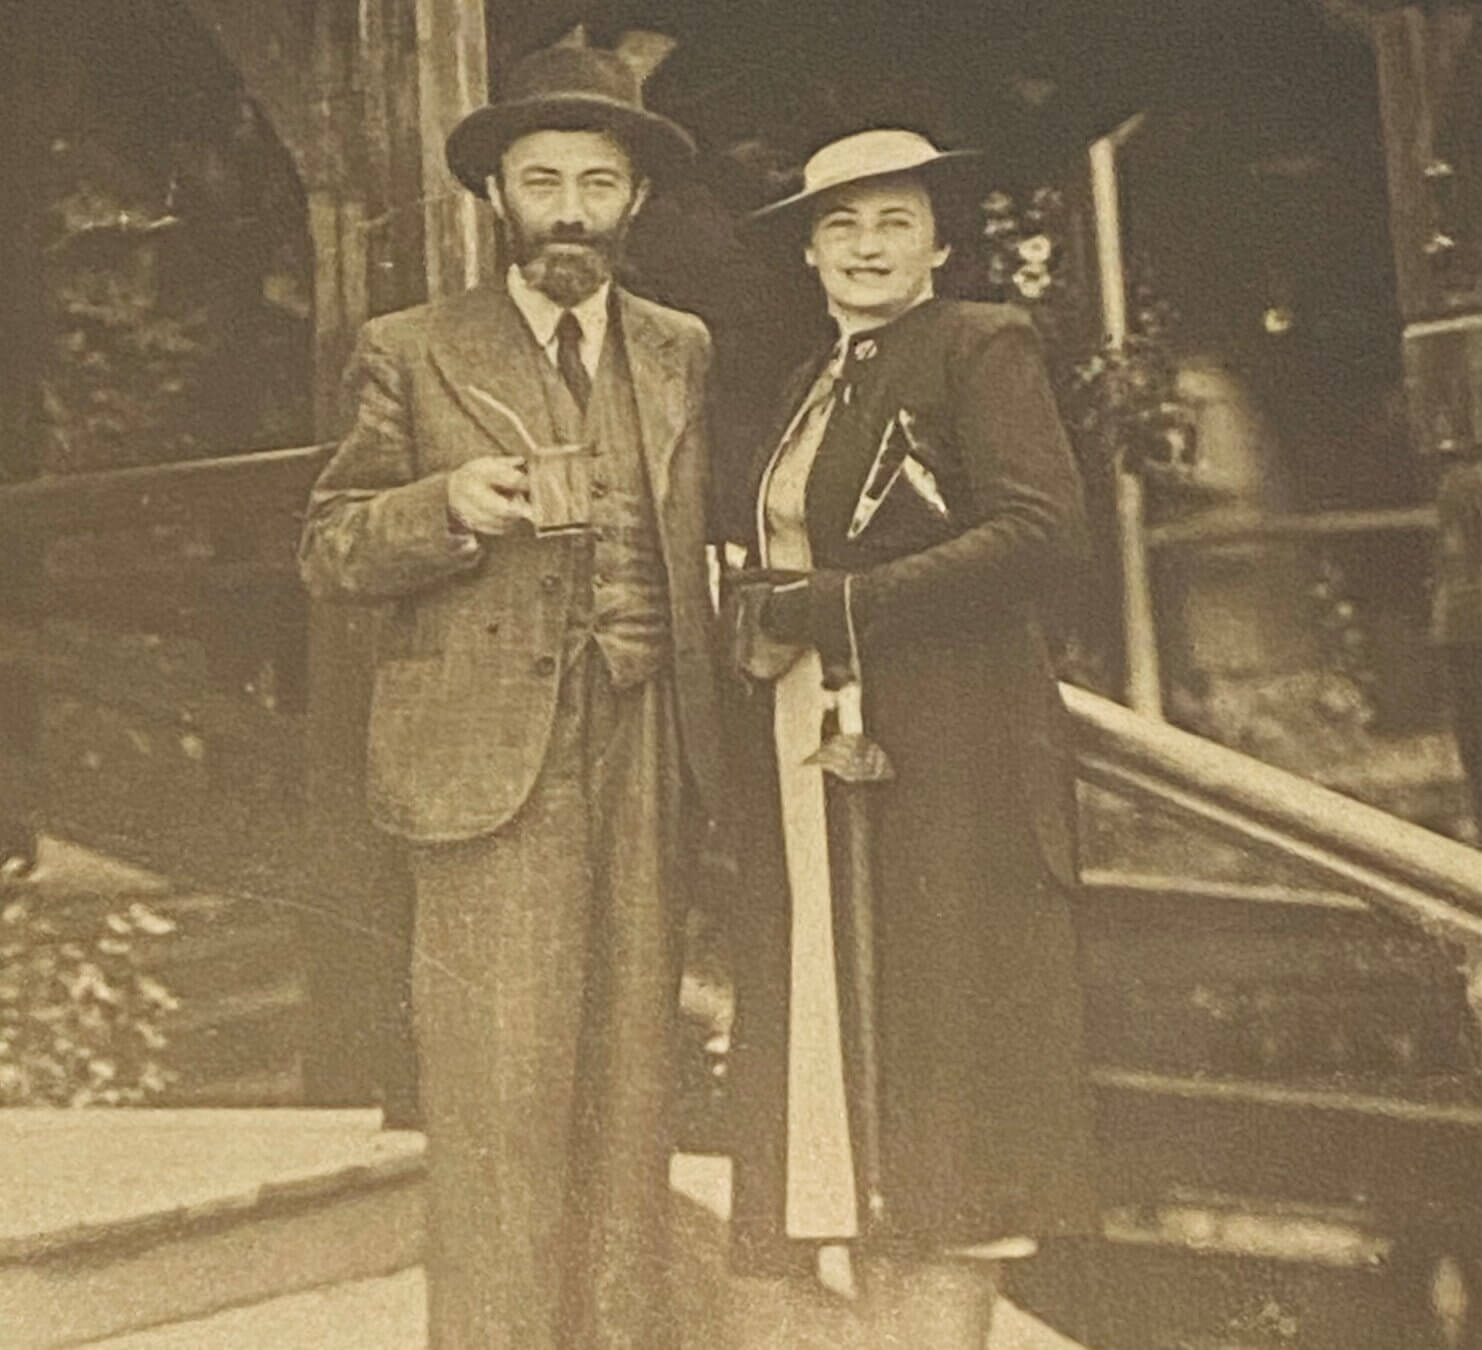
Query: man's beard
(569, 263)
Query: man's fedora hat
(867, 155)
(567, 88)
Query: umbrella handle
(849, 698)
(849, 707)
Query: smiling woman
(875, 247)
(914, 512)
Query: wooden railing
(1285, 1066)
(158, 654)
(1203, 529)
(246, 484)
(1421, 877)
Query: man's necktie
(568, 359)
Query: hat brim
(947, 169)
(662, 148)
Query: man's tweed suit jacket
(469, 660)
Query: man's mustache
(570, 234)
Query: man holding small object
(525, 483)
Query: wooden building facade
(193, 714)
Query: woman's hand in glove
(810, 612)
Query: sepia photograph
(741, 675)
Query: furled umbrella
(858, 763)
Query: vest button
(491, 628)
(549, 582)
(546, 665)
(599, 488)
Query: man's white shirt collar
(543, 314)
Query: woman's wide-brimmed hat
(567, 88)
(884, 152)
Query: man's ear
(810, 257)
(940, 256)
(640, 195)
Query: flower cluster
(1022, 245)
(1343, 641)
(79, 1017)
(1122, 401)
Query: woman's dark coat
(985, 1120)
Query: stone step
(384, 1313)
(114, 1221)
(302, 1230)
(387, 1314)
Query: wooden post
(1140, 638)
(1429, 64)
(389, 59)
(362, 187)
(24, 71)
(391, 227)
(453, 78)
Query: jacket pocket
(406, 770)
(404, 691)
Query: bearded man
(544, 713)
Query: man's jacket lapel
(659, 387)
(482, 350)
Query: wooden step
(199, 965)
(275, 1085)
(233, 963)
(1267, 981)
(1123, 1293)
(1413, 1159)
(1220, 1272)
(238, 1035)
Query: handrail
(1221, 526)
(140, 495)
(1421, 877)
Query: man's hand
(490, 495)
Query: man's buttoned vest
(619, 597)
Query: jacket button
(599, 488)
(546, 665)
(549, 582)
(491, 628)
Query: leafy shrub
(79, 1017)
(1120, 402)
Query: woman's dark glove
(753, 651)
(810, 613)
(786, 613)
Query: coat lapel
(794, 389)
(659, 388)
(484, 353)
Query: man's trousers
(545, 983)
